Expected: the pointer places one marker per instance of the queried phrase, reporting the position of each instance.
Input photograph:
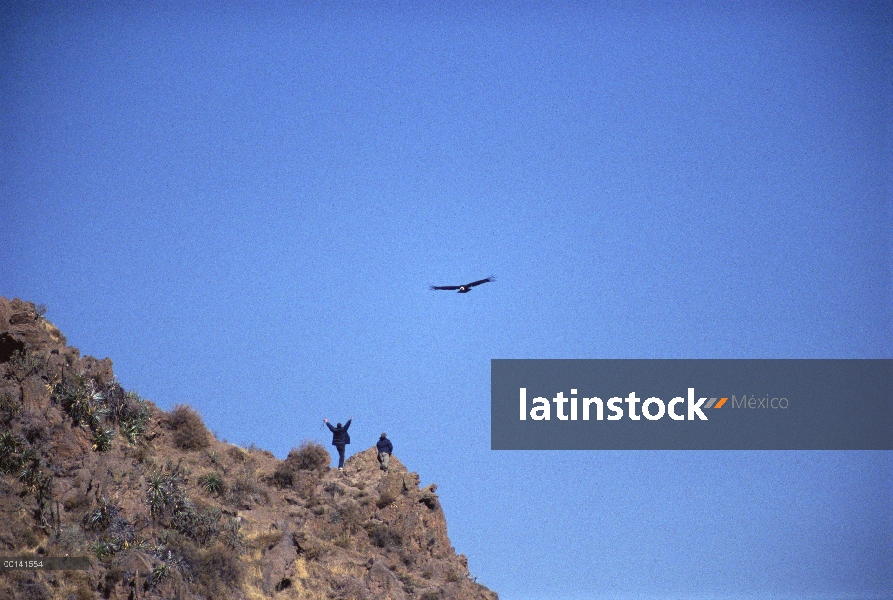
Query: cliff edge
(162, 509)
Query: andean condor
(463, 289)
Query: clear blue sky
(244, 207)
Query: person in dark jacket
(340, 438)
(385, 449)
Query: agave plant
(75, 401)
(9, 408)
(30, 471)
(132, 431)
(99, 519)
(159, 573)
(101, 440)
(135, 420)
(232, 534)
(157, 494)
(43, 489)
(212, 482)
(103, 549)
(10, 452)
(163, 489)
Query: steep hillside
(164, 510)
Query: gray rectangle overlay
(770, 404)
(44, 563)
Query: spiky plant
(22, 364)
(135, 420)
(9, 408)
(156, 494)
(103, 549)
(10, 453)
(232, 535)
(43, 491)
(75, 401)
(30, 472)
(158, 574)
(99, 519)
(133, 431)
(101, 439)
(163, 489)
(127, 410)
(212, 482)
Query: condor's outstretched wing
(445, 287)
(478, 282)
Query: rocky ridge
(164, 510)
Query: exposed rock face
(164, 510)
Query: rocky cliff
(164, 510)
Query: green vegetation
(93, 405)
(101, 439)
(156, 529)
(128, 411)
(101, 518)
(231, 535)
(11, 454)
(213, 483)
(164, 489)
(9, 409)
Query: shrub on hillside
(349, 515)
(127, 410)
(217, 571)
(382, 536)
(305, 483)
(9, 408)
(190, 432)
(386, 498)
(164, 489)
(199, 524)
(245, 491)
(284, 475)
(11, 453)
(309, 456)
(236, 453)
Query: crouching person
(385, 449)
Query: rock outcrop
(164, 510)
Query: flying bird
(463, 289)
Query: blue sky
(244, 207)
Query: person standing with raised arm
(340, 438)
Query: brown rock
(164, 519)
(278, 562)
(383, 583)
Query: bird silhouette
(463, 289)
